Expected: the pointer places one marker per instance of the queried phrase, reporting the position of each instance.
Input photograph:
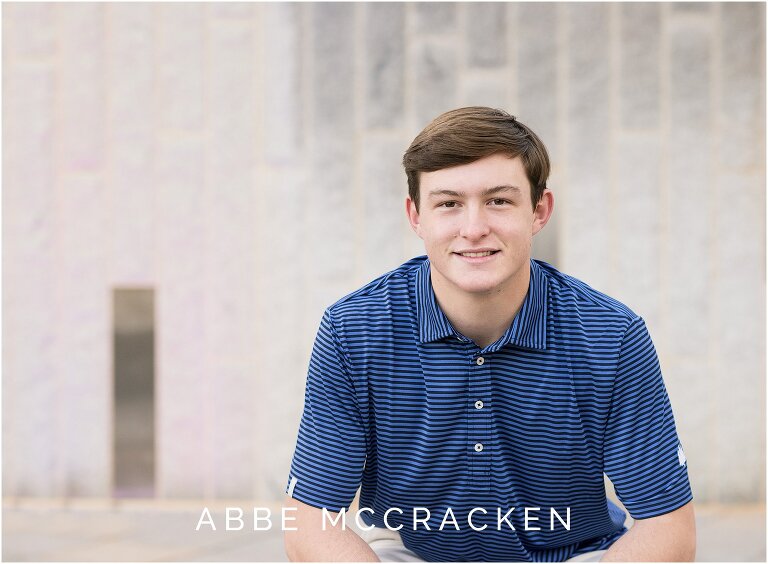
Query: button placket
(480, 438)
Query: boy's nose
(474, 225)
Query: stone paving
(135, 531)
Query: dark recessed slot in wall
(134, 392)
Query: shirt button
(478, 404)
(480, 360)
(478, 447)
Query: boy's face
(483, 208)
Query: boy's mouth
(476, 254)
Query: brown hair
(465, 135)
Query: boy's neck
(483, 317)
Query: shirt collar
(528, 328)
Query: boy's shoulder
(569, 293)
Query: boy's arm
(666, 538)
(310, 543)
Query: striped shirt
(400, 403)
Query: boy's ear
(543, 211)
(413, 215)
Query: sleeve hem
(318, 504)
(673, 505)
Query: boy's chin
(480, 287)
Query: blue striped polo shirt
(429, 424)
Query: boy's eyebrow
(486, 192)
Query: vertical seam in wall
(307, 21)
(510, 67)
(257, 175)
(408, 119)
(664, 122)
(614, 136)
(209, 484)
(298, 19)
(563, 130)
(106, 195)
(157, 96)
(109, 199)
(461, 54)
(715, 126)
(56, 173)
(9, 435)
(358, 187)
(761, 177)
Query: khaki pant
(389, 547)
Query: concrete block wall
(243, 160)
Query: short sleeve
(643, 456)
(330, 450)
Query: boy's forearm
(326, 546)
(668, 538)
(316, 540)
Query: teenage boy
(478, 395)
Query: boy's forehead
(484, 174)
(501, 189)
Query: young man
(479, 395)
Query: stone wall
(242, 160)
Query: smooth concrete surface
(34, 531)
(245, 163)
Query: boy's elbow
(294, 549)
(687, 539)
(289, 542)
(689, 549)
(299, 545)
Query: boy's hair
(465, 135)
